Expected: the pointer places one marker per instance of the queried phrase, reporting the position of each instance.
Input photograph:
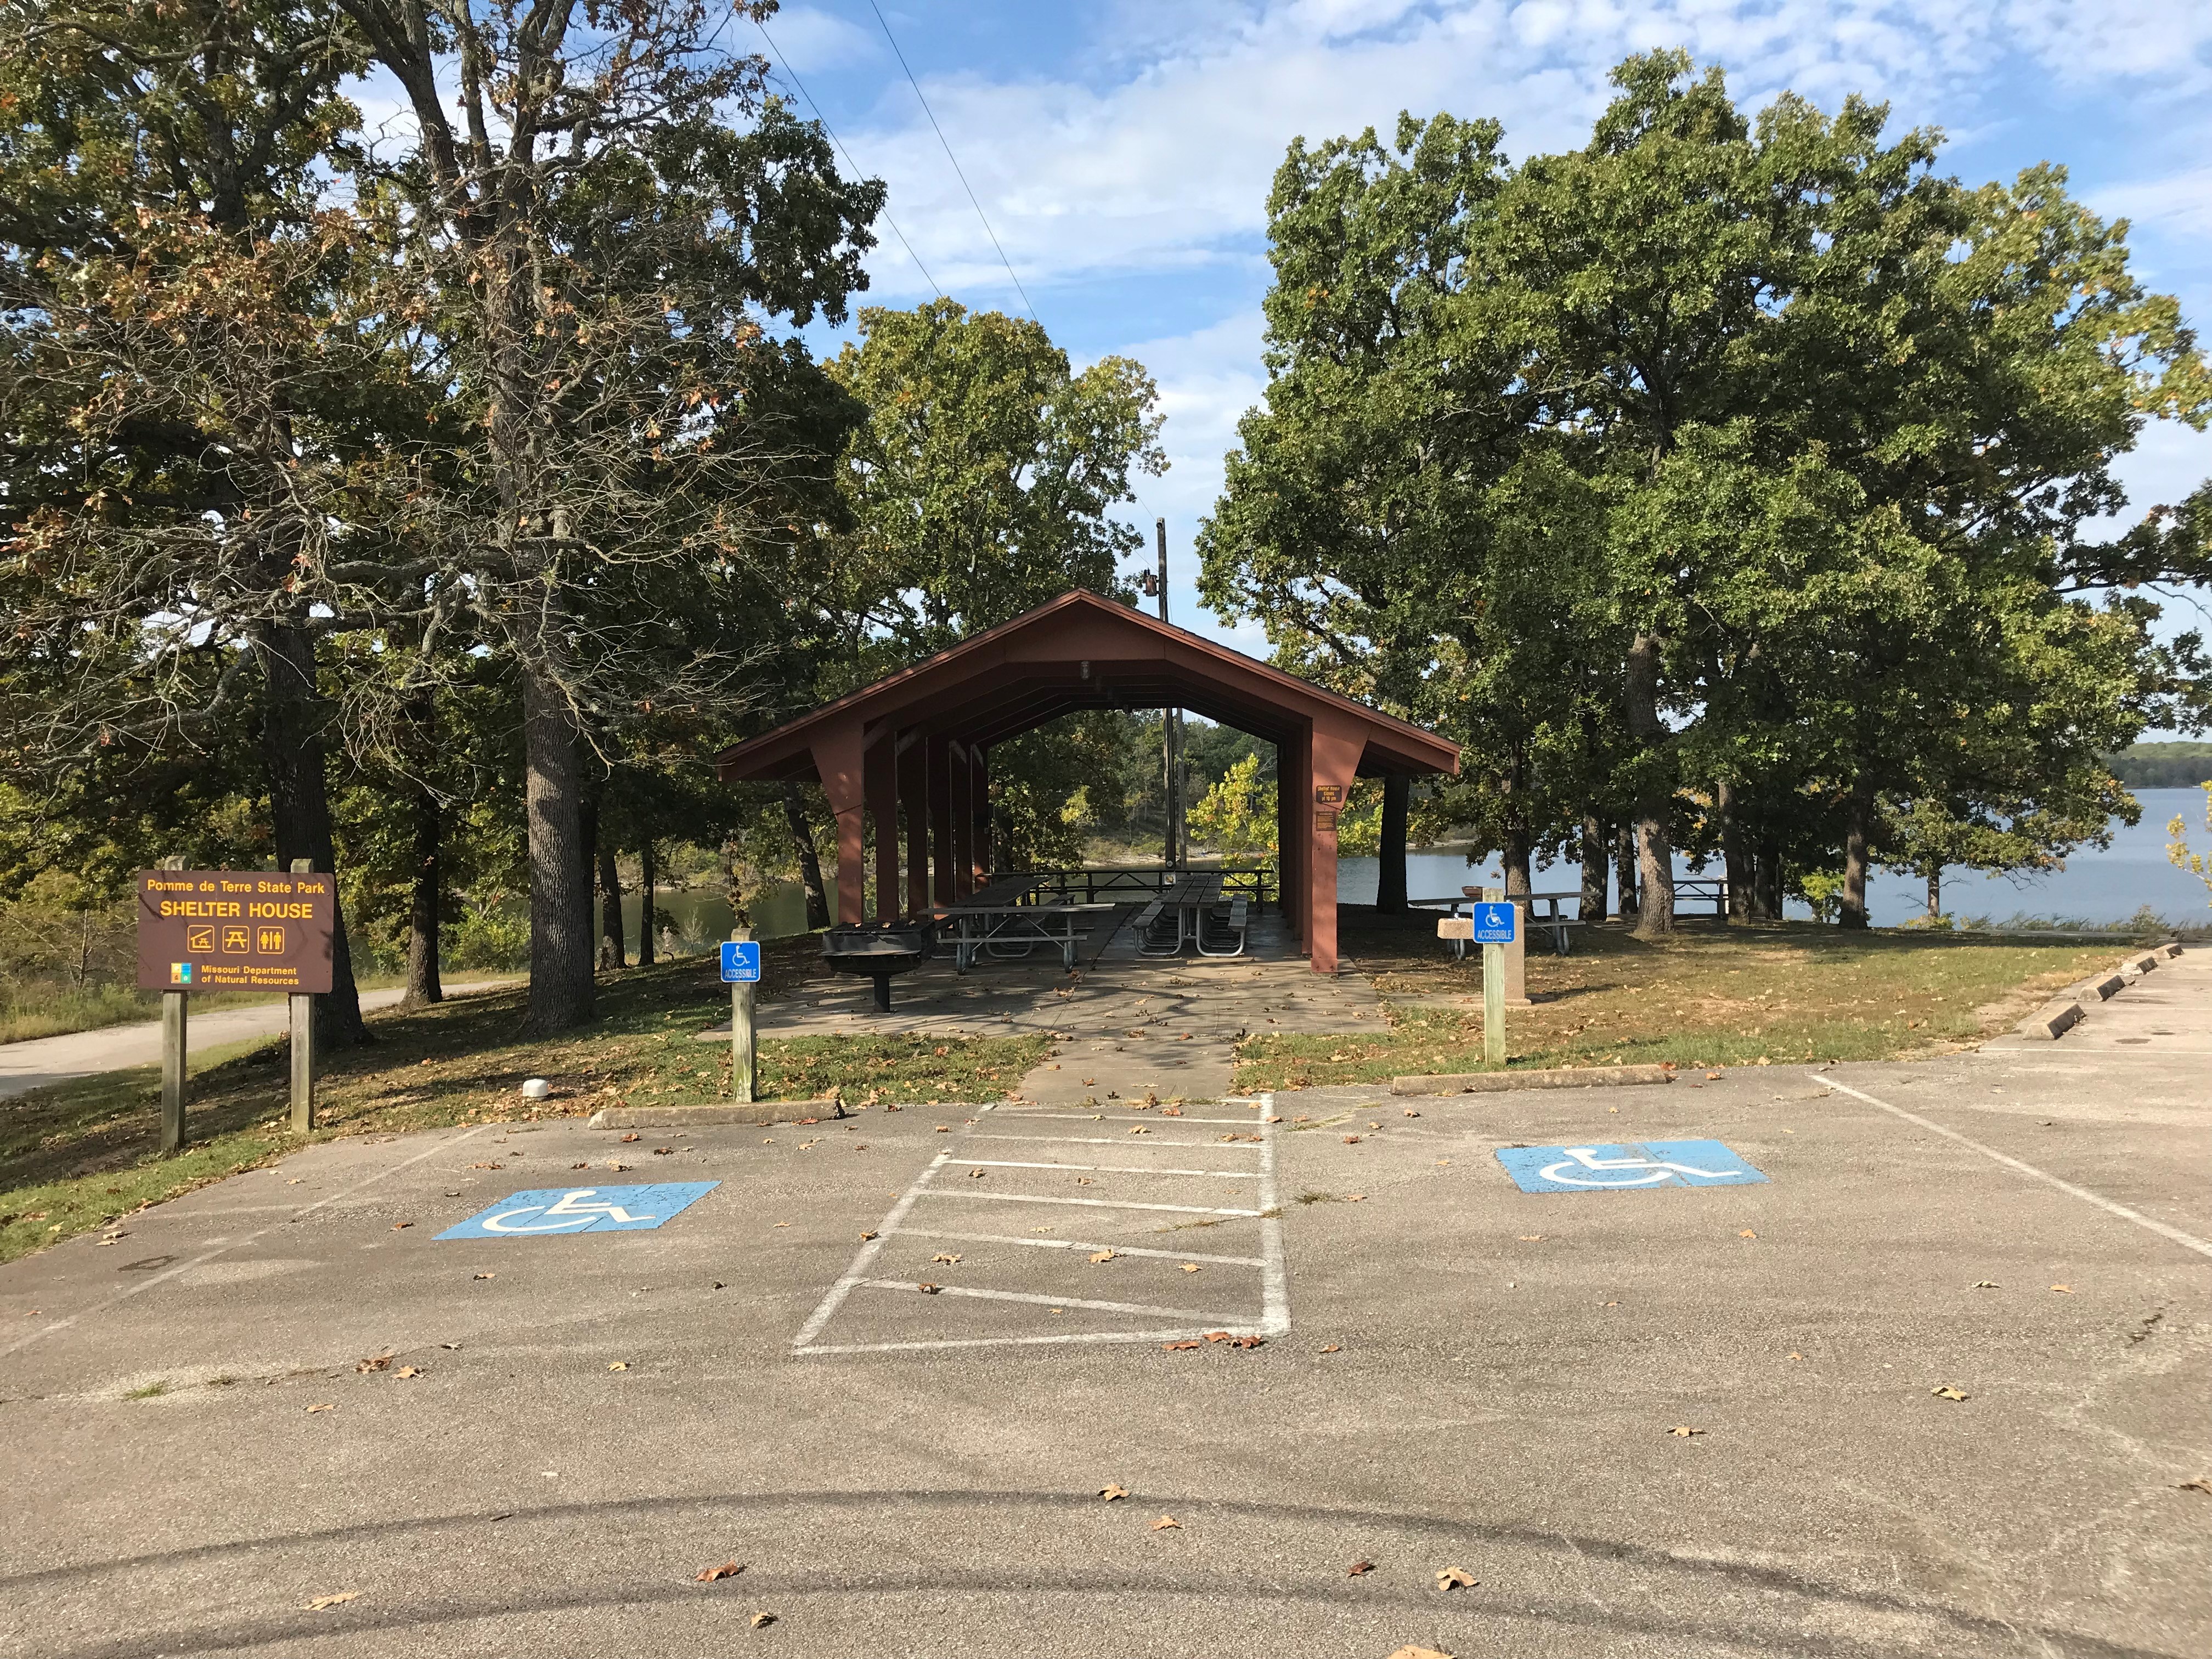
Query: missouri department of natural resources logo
(180, 973)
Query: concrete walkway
(1125, 1026)
(42, 1060)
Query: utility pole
(1171, 726)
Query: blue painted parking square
(1624, 1168)
(582, 1210)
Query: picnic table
(1193, 911)
(1010, 917)
(1547, 920)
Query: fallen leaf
(946, 1256)
(1410, 1112)
(629, 1138)
(486, 1275)
(1109, 1493)
(1452, 1578)
(612, 1164)
(1946, 1392)
(409, 1370)
(1683, 1431)
(1138, 1129)
(1190, 1266)
(1333, 1348)
(976, 1174)
(1795, 1355)
(335, 1599)
(1746, 1233)
(1985, 1284)
(619, 1365)
(579, 1166)
(727, 1569)
(1177, 1348)
(1355, 1198)
(928, 1290)
(486, 1166)
(866, 1237)
(2063, 1290)
(2196, 1486)
(944, 1128)
(1531, 1238)
(1101, 1255)
(1409, 1651)
(1710, 1076)
(662, 1152)
(397, 1226)
(322, 1408)
(381, 1362)
(1247, 1341)
(760, 1620)
(1217, 1336)
(1351, 1140)
(1358, 1568)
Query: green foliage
(2162, 765)
(1236, 816)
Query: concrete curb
(2051, 1018)
(2063, 1012)
(1571, 1076)
(683, 1117)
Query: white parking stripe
(1089, 1203)
(1100, 1118)
(2187, 1241)
(1111, 1140)
(1274, 1318)
(1184, 1334)
(1077, 1244)
(1111, 1168)
(909, 1286)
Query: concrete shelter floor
(1130, 1024)
(1455, 1377)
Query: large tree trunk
(1735, 850)
(610, 917)
(1623, 863)
(1654, 793)
(424, 903)
(299, 805)
(1515, 857)
(1390, 880)
(1858, 828)
(648, 876)
(1594, 872)
(809, 862)
(1766, 882)
(1934, 892)
(561, 987)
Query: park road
(34, 1065)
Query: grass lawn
(77, 1155)
(1713, 996)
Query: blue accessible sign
(582, 1210)
(1494, 924)
(741, 962)
(1619, 1169)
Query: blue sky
(1122, 151)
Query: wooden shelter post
(839, 761)
(1332, 763)
(882, 769)
(914, 802)
(961, 791)
(940, 817)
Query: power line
(858, 172)
(955, 159)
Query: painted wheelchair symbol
(565, 1213)
(1649, 1171)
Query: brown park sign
(234, 930)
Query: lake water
(2096, 886)
(2108, 886)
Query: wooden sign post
(242, 930)
(303, 1042)
(741, 967)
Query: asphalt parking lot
(1690, 1417)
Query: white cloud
(811, 39)
(2180, 203)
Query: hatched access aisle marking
(1271, 1316)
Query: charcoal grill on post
(880, 950)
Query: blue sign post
(741, 972)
